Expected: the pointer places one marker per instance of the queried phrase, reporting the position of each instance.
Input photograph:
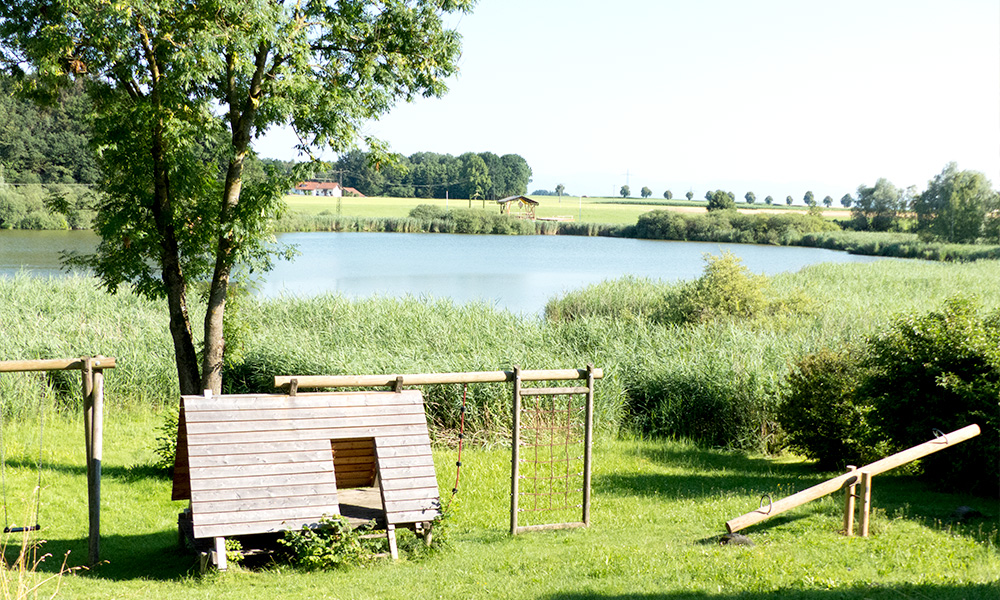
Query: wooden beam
(55, 364)
(333, 381)
(831, 485)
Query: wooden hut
(521, 207)
(254, 464)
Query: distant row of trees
(957, 206)
(482, 175)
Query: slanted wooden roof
(522, 199)
(265, 463)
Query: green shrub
(726, 289)
(41, 219)
(428, 212)
(334, 544)
(941, 371)
(822, 414)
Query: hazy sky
(773, 96)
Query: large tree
(180, 91)
(877, 208)
(955, 205)
(721, 200)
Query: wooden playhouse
(254, 464)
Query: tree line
(958, 206)
(482, 175)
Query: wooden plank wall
(264, 463)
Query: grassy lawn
(658, 507)
(614, 211)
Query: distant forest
(430, 175)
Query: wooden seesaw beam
(848, 479)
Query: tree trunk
(173, 278)
(242, 111)
(215, 344)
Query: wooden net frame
(551, 456)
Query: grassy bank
(658, 509)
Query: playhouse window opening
(354, 464)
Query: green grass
(657, 503)
(658, 507)
(610, 211)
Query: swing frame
(92, 374)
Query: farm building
(324, 188)
(518, 206)
(254, 464)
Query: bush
(822, 414)
(726, 289)
(41, 219)
(942, 371)
(428, 212)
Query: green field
(658, 509)
(615, 211)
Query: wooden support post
(220, 554)
(866, 501)
(588, 436)
(390, 533)
(94, 470)
(849, 505)
(515, 450)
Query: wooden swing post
(92, 374)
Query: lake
(518, 273)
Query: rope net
(550, 469)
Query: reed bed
(717, 383)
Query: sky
(772, 96)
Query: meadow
(613, 211)
(660, 502)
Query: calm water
(519, 273)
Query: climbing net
(550, 477)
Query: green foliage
(646, 192)
(726, 289)
(45, 143)
(52, 207)
(625, 191)
(788, 200)
(334, 544)
(809, 198)
(941, 370)
(689, 195)
(956, 206)
(897, 245)
(429, 212)
(433, 175)
(728, 226)
(668, 195)
(877, 208)
(828, 201)
(165, 445)
(750, 197)
(769, 200)
(822, 413)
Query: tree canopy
(956, 206)
(181, 89)
(876, 208)
(721, 200)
